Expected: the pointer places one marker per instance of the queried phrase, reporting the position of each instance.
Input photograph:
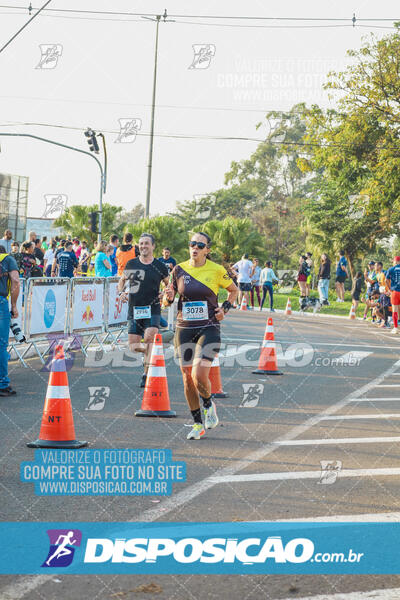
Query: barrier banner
(46, 301)
(117, 311)
(87, 304)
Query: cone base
(220, 395)
(167, 414)
(261, 372)
(68, 444)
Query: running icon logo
(55, 205)
(330, 470)
(251, 394)
(50, 55)
(62, 547)
(128, 129)
(97, 397)
(203, 53)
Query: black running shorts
(202, 342)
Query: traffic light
(92, 140)
(93, 222)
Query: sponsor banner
(105, 472)
(199, 548)
(117, 310)
(48, 312)
(88, 306)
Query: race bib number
(141, 312)
(194, 311)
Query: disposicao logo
(62, 547)
(190, 550)
(49, 309)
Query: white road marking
(392, 594)
(316, 344)
(351, 356)
(367, 440)
(373, 416)
(374, 399)
(390, 517)
(17, 590)
(389, 385)
(384, 472)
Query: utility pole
(153, 106)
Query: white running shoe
(211, 417)
(394, 330)
(197, 432)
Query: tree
(168, 231)
(130, 217)
(231, 238)
(75, 221)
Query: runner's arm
(14, 293)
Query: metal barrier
(116, 312)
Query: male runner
(393, 280)
(144, 273)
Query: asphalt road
(262, 463)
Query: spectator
(32, 236)
(9, 283)
(372, 283)
(38, 252)
(28, 259)
(310, 263)
(84, 260)
(127, 251)
(341, 274)
(255, 282)
(383, 312)
(357, 290)
(324, 275)
(60, 249)
(16, 254)
(267, 279)
(49, 259)
(302, 275)
(77, 248)
(393, 280)
(102, 265)
(45, 245)
(167, 259)
(244, 268)
(114, 241)
(67, 261)
(7, 241)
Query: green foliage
(76, 223)
(231, 238)
(168, 231)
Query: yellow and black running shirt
(198, 292)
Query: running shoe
(196, 433)
(211, 418)
(271, 310)
(394, 331)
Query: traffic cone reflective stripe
(268, 362)
(155, 402)
(57, 429)
(352, 314)
(215, 379)
(288, 310)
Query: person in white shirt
(244, 268)
(267, 279)
(255, 282)
(49, 259)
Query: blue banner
(199, 548)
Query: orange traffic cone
(215, 380)
(268, 363)
(288, 310)
(243, 305)
(57, 429)
(155, 401)
(352, 314)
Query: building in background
(13, 205)
(42, 227)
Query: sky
(101, 76)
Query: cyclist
(144, 273)
(197, 336)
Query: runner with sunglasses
(197, 336)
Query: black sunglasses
(200, 245)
